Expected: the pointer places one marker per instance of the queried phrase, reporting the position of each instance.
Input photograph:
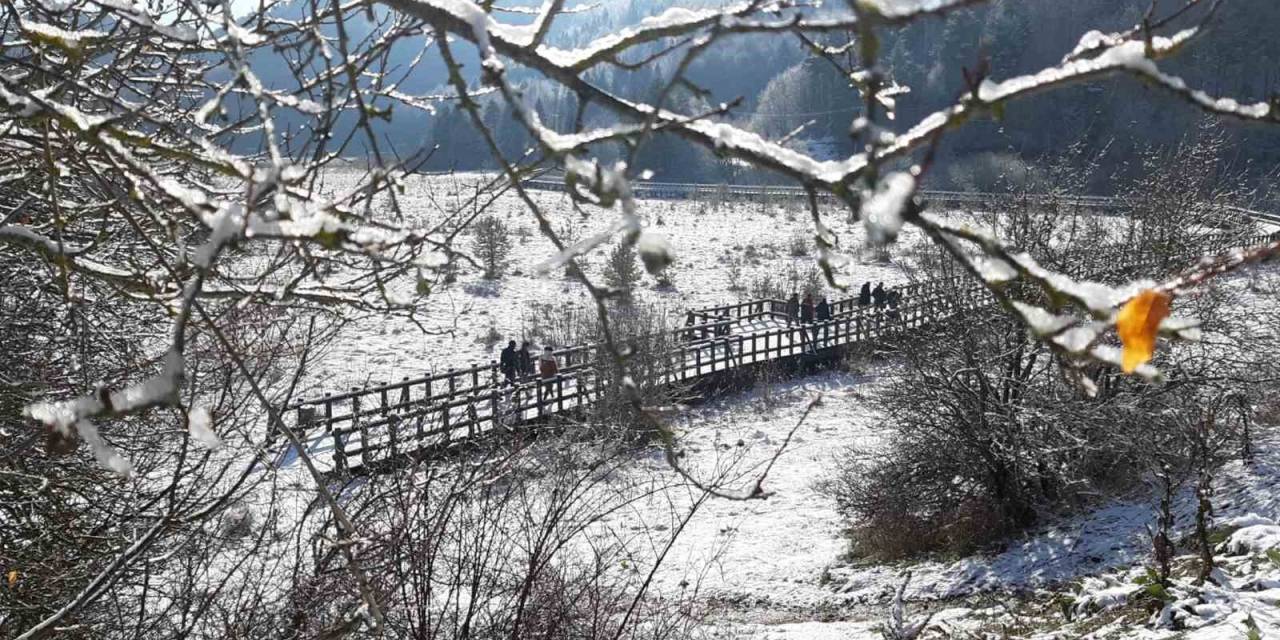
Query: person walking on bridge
(824, 316)
(524, 360)
(723, 327)
(879, 296)
(806, 319)
(864, 295)
(509, 363)
(793, 309)
(548, 368)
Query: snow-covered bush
(984, 434)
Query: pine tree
(491, 245)
(622, 271)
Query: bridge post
(423, 413)
(444, 419)
(384, 411)
(402, 405)
(559, 393)
(493, 396)
(339, 459)
(360, 423)
(473, 416)
(538, 393)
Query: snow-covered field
(775, 568)
(459, 316)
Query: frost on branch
(882, 211)
(587, 180)
(69, 418)
(655, 251)
(200, 426)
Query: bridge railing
(400, 417)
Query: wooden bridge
(374, 426)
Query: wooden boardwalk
(378, 426)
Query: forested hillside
(786, 91)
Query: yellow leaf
(13, 577)
(1137, 325)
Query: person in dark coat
(806, 318)
(524, 360)
(509, 363)
(689, 322)
(864, 295)
(878, 295)
(793, 309)
(823, 315)
(722, 331)
(892, 298)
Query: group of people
(806, 312)
(879, 296)
(519, 363)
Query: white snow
(200, 425)
(882, 210)
(458, 316)
(1255, 538)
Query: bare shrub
(764, 286)
(984, 434)
(733, 271)
(798, 245)
(806, 282)
(495, 545)
(1183, 189)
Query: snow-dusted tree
(622, 270)
(491, 244)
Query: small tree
(491, 245)
(621, 272)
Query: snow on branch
(74, 417)
(1112, 54)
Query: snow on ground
(706, 239)
(772, 568)
(768, 555)
(767, 568)
(777, 564)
